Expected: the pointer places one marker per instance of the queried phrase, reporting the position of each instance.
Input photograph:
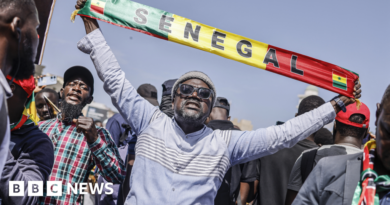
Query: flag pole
(46, 32)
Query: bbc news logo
(54, 188)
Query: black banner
(45, 12)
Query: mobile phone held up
(47, 80)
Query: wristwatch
(340, 103)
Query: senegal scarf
(366, 192)
(164, 25)
(29, 115)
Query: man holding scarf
(357, 179)
(180, 160)
(31, 155)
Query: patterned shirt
(75, 157)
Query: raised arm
(134, 109)
(246, 146)
(250, 145)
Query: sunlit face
(192, 108)
(76, 91)
(44, 110)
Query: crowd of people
(183, 150)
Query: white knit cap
(195, 75)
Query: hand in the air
(80, 4)
(90, 24)
(87, 126)
(357, 92)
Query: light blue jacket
(172, 167)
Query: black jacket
(31, 158)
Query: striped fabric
(370, 184)
(226, 135)
(172, 27)
(74, 158)
(181, 163)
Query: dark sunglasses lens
(204, 93)
(186, 89)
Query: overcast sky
(352, 34)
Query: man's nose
(45, 108)
(77, 88)
(195, 94)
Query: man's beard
(71, 111)
(182, 115)
(25, 56)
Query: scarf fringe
(358, 102)
(74, 14)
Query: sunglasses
(187, 90)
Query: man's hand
(346, 100)
(87, 126)
(89, 23)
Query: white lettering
(96, 187)
(108, 186)
(83, 188)
(74, 189)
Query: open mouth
(74, 97)
(192, 105)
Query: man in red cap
(31, 154)
(348, 132)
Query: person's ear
(16, 26)
(228, 118)
(89, 100)
(207, 120)
(62, 93)
(296, 114)
(378, 112)
(13, 87)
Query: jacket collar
(24, 129)
(220, 124)
(4, 84)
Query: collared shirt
(5, 93)
(75, 157)
(172, 167)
